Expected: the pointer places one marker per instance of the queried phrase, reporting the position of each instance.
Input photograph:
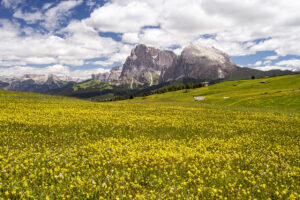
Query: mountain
(209, 64)
(145, 65)
(3, 84)
(145, 70)
(200, 62)
(111, 77)
(41, 83)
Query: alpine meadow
(165, 146)
(150, 100)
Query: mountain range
(145, 67)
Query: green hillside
(282, 93)
(88, 88)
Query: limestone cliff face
(151, 66)
(145, 65)
(115, 74)
(200, 62)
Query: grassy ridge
(164, 147)
(281, 93)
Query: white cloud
(87, 73)
(234, 27)
(258, 63)
(53, 17)
(30, 18)
(271, 57)
(91, 3)
(101, 63)
(271, 67)
(161, 38)
(47, 5)
(11, 3)
(81, 42)
(267, 62)
(131, 37)
(123, 18)
(11, 63)
(290, 63)
(59, 70)
(233, 48)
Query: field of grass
(162, 147)
(280, 93)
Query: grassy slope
(279, 93)
(93, 84)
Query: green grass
(277, 93)
(91, 84)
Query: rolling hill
(282, 93)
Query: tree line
(155, 91)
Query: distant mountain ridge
(42, 83)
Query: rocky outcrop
(200, 62)
(102, 77)
(115, 74)
(145, 65)
(111, 77)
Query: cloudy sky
(80, 37)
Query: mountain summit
(145, 65)
(200, 62)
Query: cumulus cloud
(101, 63)
(59, 70)
(271, 67)
(81, 42)
(258, 63)
(272, 57)
(122, 18)
(292, 64)
(267, 62)
(236, 27)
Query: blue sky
(78, 38)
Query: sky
(78, 38)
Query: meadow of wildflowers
(64, 148)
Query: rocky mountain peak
(209, 53)
(199, 62)
(145, 65)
